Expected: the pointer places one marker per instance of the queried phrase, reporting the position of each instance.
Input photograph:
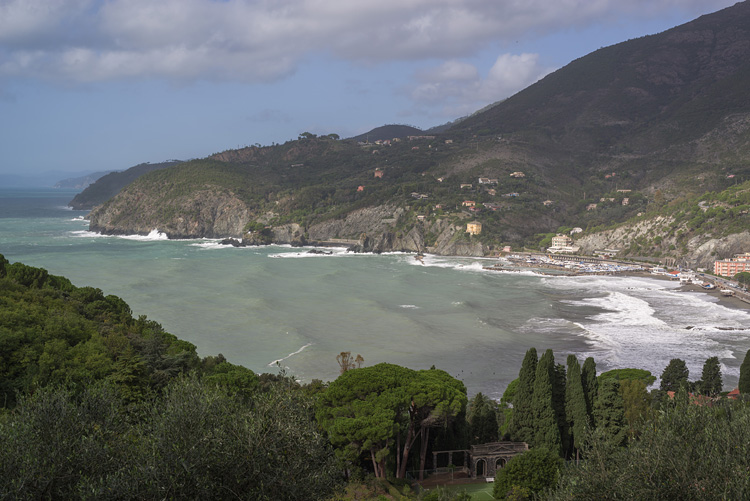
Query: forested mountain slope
(667, 113)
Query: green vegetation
(527, 474)
(98, 404)
(744, 383)
(684, 452)
(675, 376)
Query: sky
(93, 85)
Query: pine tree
(711, 378)
(744, 384)
(575, 404)
(590, 386)
(546, 426)
(609, 411)
(675, 375)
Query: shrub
(536, 470)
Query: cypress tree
(575, 404)
(609, 411)
(744, 384)
(559, 386)
(522, 419)
(546, 426)
(482, 418)
(711, 377)
(674, 376)
(590, 386)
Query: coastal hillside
(613, 134)
(695, 230)
(107, 185)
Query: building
(591, 207)
(468, 203)
(562, 244)
(561, 240)
(465, 185)
(378, 173)
(474, 228)
(730, 267)
(547, 203)
(517, 174)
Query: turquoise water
(265, 304)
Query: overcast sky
(107, 84)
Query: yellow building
(474, 227)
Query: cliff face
(375, 230)
(207, 213)
(214, 213)
(659, 236)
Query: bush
(535, 470)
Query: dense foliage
(685, 451)
(198, 441)
(528, 473)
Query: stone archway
(480, 467)
(494, 456)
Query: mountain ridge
(666, 113)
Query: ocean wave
(278, 361)
(409, 306)
(334, 252)
(154, 235)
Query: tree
(685, 451)
(546, 426)
(629, 374)
(534, 471)
(590, 386)
(522, 419)
(710, 383)
(744, 383)
(575, 404)
(362, 410)
(482, 418)
(609, 412)
(636, 401)
(346, 363)
(675, 375)
(743, 278)
(435, 399)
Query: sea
(282, 308)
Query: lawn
(478, 492)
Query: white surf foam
(271, 364)
(645, 323)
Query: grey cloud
(259, 41)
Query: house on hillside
(474, 228)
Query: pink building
(730, 267)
